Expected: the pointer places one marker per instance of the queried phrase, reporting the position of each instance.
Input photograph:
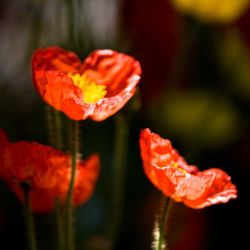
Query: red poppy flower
(170, 173)
(96, 88)
(47, 171)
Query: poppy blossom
(46, 171)
(223, 11)
(96, 88)
(170, 173)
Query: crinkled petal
(58, 90)
(216, 188)
(120, 74)
(57, 59)
(170, 173)
(109, 106)
(113, 69)
(157, 152)
(160, 152)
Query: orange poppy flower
(96, 88)
(47, 172)
(170, 173)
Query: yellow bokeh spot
(92, 92)
(221, 11)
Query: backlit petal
(55, 69)
(48, 173)
(170, 173)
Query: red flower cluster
(47, 171)
(96, 88)
(170, 173)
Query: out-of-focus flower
(46, 171)
(232, 48)
(223, 11)
(197, 119)
(96, 88)
(170, 173)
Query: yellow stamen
(176, 166)
(92, 92)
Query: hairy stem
(159, 232)
(121, 136)
(69, 199)
(55, 139)
(59, 225)
(29, 218)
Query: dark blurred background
(195, 90)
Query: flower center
(176, 166)
(92, 92)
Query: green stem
(71, 21)
(53, 118)
(55, 139)
(121, 136)
(58, 129)
(60, 226)
(36, 27)
(50, 125)
(160, 226)
(69, 198)
(29, 218)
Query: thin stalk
(69, 198)
(53, 119)
(58, 129)
(55, 139)
(71, 21)
(29, 218)
(159, 232)
(36, 27)
(50, 125)
(60, 226)
(121, 136)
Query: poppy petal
(55, 74)
(120, 74)
(219, 189)
(87, 175)
(114, 70)
(170, 173)
(55, 58)
(47, 170)
(159, 152)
